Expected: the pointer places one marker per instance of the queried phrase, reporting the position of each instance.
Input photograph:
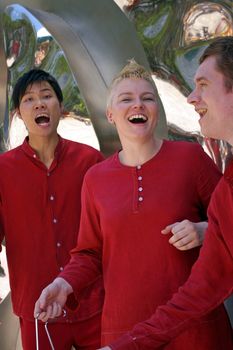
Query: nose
(39, 103)
(193, 97)
(138, 103)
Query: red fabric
(40, 213)
(210, 282)
(120, 234)
(83, 335)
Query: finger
(182, 234)
(168, 228)
(56, 310)
(188, 246)
(37, 309)
(182, 242)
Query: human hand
(52, 300)
(186, 234)
(105, 348)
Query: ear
(17, 112)
(62, 108)
(109, 116)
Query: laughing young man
(40, 189)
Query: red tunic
(210, 282)
(39, 217)
(124, 210)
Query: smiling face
(133, 109)
(40, 109)
(213, 101)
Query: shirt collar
(32, 154)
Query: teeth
(42, 115)
(137, 116)
(201, 111)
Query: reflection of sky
(154, 29)
(179, 114)
(18, 12)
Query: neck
(138, 154)
(45, 148)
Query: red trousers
(80, 335)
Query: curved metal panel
(97, 39)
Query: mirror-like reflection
(174, 34)
(29, 44)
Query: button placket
(140, 186)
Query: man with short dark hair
(40, 190)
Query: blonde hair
(132, 70)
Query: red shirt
(40, 213)
(124, 210)
(209, 284)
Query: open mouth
(42, 119)
(201, 111)
(138, 119)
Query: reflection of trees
(161, 30)
(55, 62)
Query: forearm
(82, 270)
(210, 282)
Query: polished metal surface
(174, 34)
(87, 43)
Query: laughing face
(40, 109)
(133, 109)
(213, 101)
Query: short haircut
(132, 70)
(31, 77)
(222, 49)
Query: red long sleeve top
(124, 210)
(39, 217)
(210, 282)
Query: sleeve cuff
(125, 342)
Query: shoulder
(188, 150)
(184, 146)
(82, 149)
(101, 169)
(10, 155)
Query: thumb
(168, 229)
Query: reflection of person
(40, 190)
(127, 200)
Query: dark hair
(31, 77)
(222, 49)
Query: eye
(47, 96)
(126, 99)
(27, 99)
(148, 99)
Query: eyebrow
(42, 90)
(131, 93)
(200, 78)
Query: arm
(210, 282)
(186, 234)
